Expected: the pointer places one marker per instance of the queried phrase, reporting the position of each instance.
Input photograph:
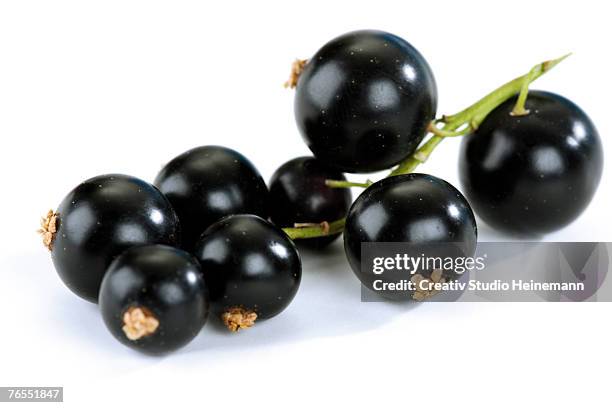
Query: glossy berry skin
(167, 284)
(249, 263)
(419, 209)
(364, 100)
(207, 183)
(101, 218)
(298, 194)
(530, 175)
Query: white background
(122, 86)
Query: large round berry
(299, 195)
(252, 269)
(98, 220)
(532, 174)
(424, 212)
(153, 298)
(208, 183)
(363, 102)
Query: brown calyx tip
(296, 70)
(421, 294)
(48, 228)
(139, 322)
(236, 318)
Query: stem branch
(308, 230)
(347, 184)
(467, 120)
(473, 115)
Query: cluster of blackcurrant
(210, 236)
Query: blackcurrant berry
(298, 194)
(422, 210)
(363, 102)
(153, 298)
(532, 174)
(207, 183)
(98, 220)
(251, 267)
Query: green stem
(471, 118)
(519, 106)
(473, 115)
(504, 92)
(347, 184)
(418, 157)
(316, 230)
(448, 133)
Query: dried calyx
(296, 70)
(236, 318)
(421, 293)
(48, 228)
(139, 322)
